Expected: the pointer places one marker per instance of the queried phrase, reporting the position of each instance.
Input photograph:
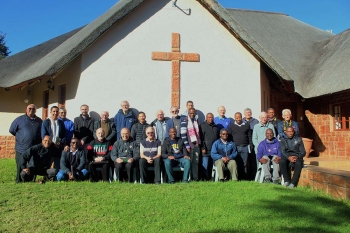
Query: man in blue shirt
(222, 121)
(224, 153)
(69, 125)
(125, 118)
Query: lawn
(194, 207)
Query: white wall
(119, 65)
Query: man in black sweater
(293, 151)
(84, 126)
(39, 159)
(209, 134)
(242, 137)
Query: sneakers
(286, 184)
(291, 186)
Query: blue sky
(31, 22)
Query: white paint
(118, 65)
(6, 119)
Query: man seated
(73, 163)
(39, 158)
(99, 156)
(293, 151)
(223, 153)
(150, 153)
(125, 154)
(269, 150)
(174, 154)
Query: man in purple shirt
(269, 150)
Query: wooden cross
(175, 56)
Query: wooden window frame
(341, 117)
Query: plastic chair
(215, 173)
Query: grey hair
(285, 111)
(248, 109)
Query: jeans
(241, 160)
(82, 175)
(184, 163)
(207, 167)
(284, 167)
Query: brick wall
(7, 147)
(330, 181)
(328, 142)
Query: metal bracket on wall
(185, 11)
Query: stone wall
(7, 147)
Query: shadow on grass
(298, 212)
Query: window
(342, 116)
(62, 96)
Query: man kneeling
(268, 150)
(174, 154)
(73, 163)
(39, 158)
(223, 153)
(293, 151)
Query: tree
(4, 50)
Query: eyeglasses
(31, 108)
(150, 133)
(174, 111)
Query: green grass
(194, 207)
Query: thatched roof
(296, 51)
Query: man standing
(68, 124)
(259, 132)
(73, 163)
(224, 153)
(248, 119)
(293, 152)
(175, 154)
(108, 126)
(150, 154)
(27, 130)
(173, 122)
(242, 137)
(99, 156)
(125, 118)
(282, 125)
(159, 125)
(125, 154)
(84, 126)
(189, 105)
(209, 134)
(138, 130)
(269, 150)
(56, 129)
(222, 121)
(272, 119)
(39, 158)
(190, 134)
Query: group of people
(60, 149)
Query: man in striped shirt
(150, 155)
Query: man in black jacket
(175, 154)
(39, 159)
(73, 163)
(209, 134)
(84, 126)
(242, 137)
(125, 154)
(293, 151)
(106, 124)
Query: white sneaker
(286, 184)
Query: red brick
(2, 142)
(337, 180)
(336, 191)
(194, 57)
(175, 42)
(162, 56)
(175, 85)
(319, 186)
(175, 99)
(10, 144)
(318, 177)
(347, 182)
(2, 138)
(175, 68)
(175, 56)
